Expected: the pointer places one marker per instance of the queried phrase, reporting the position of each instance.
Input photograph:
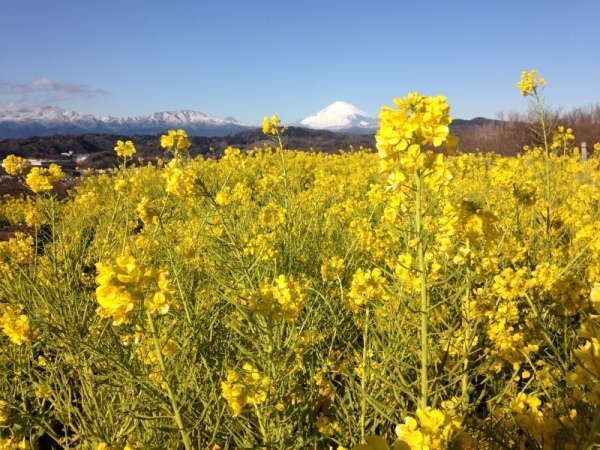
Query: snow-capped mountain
(340, 117)
(44, 121)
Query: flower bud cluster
(248, 387)
(175, 141)
(529, 82)
(269, 126)
(15, 165)
(419, 121)
(282, 299)
(367, 286)
(125, 149)
(16, 325)
(40, 179)
(435, 429)
(121, 286)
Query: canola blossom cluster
(530, 82)
(269, 125)
(41, 179)
(585, 378)
(125, 149)
(16, 325)
(246, 387)
(16, 253)
(176, 142)
(281, 300)
(418, 120)
(124, 284)
(38, 179)
(434, 430)
(562, 138)
(366, 287)
(403, 298)
(15, 165)
(404, 133)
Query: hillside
(96, 150)
(99, 147)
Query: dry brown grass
(514, 130)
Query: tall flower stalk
(532, 86)
(420, 122)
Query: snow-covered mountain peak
(340, 116)
(343, 109)
(183, 116)
(42, 121)
(40, 113)
(47, 120)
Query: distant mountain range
(340, 117)
(50, 133)
(46, 121)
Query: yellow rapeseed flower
(146, 212)
(561, 138)
(247, 387)
(175, 141)
(15, 165)
(160, 302)
(180, 179)
(366, 287)
(16, 326)
(125, 149)
(435, 430)
(269, 126)
(373, 442)
(282, 299)
(595, 296)
(4, 411)
(41, 179)
(121, 287)
(271, 215)
(419, 121)
(529, 82)
(332, 268)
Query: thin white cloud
(52, 91)
(6, 105)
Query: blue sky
(250, 58)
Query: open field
(287, 300)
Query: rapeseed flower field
(412, 298)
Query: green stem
(593, 439)
(424, 296)
(363, 379)
(163, 369)
(542, 118)
(467, 344)
(54, 248)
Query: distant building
(77, 158)
(39, 162)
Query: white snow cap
(42, 121)
(339, 115)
